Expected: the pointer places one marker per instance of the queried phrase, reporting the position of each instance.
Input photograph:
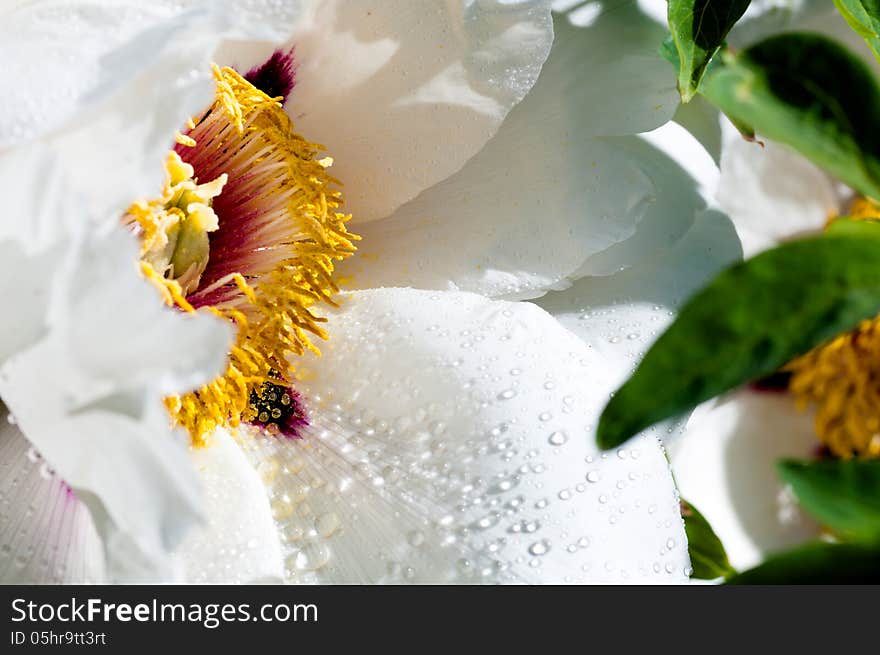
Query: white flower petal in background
(765, 18)
(550, 189)
(772, 193)
(46, 533)
(724, 464)
(621, 314)
(403, 92)
(451, 438)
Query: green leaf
(806, 91)
(708, 557)
(842, 494)
(817, 563)
(751, 319)
(864, 17)
(699, 28)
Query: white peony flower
(442, 435)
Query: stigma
(247, 227)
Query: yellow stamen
(864, 208)
(251, 134)
(842, 379)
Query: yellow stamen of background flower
(841, 379)
(864, 208)
(299, 235)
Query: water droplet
(313, 556)
(593, 476)
(540, 548)
(507, 394)
(558, 438)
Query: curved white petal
(88, 397)
(451, 439)
(25, 296)
(551, 188)
(620, 315)
(403, 92)
(772, 193)
(101, 86)
(724, 465)
(239, 543)
(46, 534)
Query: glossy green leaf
(751, 319)
(864, 17)
(708, 557)
(806, 91)
(698, 29)
(842, 494)
(817, 563)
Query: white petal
(620, 315)
(550, 189)
(46, 533)
(25, 291)
(451, 439)
(769, 17)
(724, 465)
(105, 84)
(239, 544)
(118, 332)
(89, 392)
(403, 92)
(132, 475)
(771, 192)
(684, 181)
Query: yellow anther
(864, 208)
(841, 379)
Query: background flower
(724, 460)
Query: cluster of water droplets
(462, 450)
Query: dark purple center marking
(278, 409)
(276, 77)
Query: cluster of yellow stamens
(271, 251)
(841, 379)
